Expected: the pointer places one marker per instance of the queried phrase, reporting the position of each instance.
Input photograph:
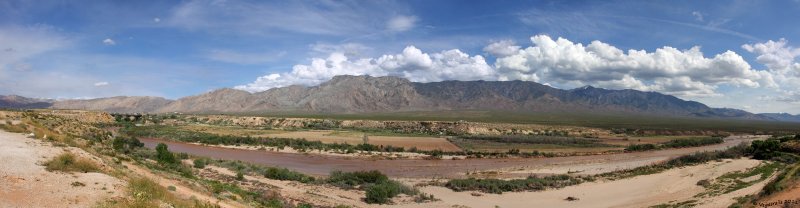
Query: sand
(642, 191)
(25, 183)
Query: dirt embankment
(24, 182)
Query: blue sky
(739, 54)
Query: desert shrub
(199, 163)
(353, 179)
(381, 193)
(640, 147)
(499, 186)
(766, 149)
(239, 176)
(692, 142)
(68, 162)
(541, 139)
(163, 155)
(286, 174)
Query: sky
(735, 54)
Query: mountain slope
(366, 94)
(782, 116)
(121, 104)
(16, 101)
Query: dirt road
(413, 168)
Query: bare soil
(676, 185)
(24, 182)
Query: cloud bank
(558, 62)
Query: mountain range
(366, 94)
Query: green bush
(381, 193)
(358, 178)
(286, 174)
(163, 155)
(199, 163)
(640, 147)
(693, 142)
(499, 186)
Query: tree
(163, 155)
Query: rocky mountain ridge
(366, 94)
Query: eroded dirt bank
(415, 168)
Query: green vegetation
(541, 139)
(287, 175)
(164, 156)
(686, 160)
(68, 162)
(498, 186)
(676, 143)
(381, 193)
(212, 139)
(147, 193)
(379, 189)
(631, 123)
(733, 181)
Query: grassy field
(608, 121)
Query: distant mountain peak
(366, 94)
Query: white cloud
(667, 69)
(243, 58)
(776, 55)
(100, 84)
(412, 64)
(779, 58)
(502, 48)
(156, 20)
(697, 16)
(401, 23)
(109, 42)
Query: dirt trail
(25, 183)
(415, 168)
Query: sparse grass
(145, 193)
(733, 181)
(68, 162)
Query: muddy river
(316, 164)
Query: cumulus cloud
(776, 55)
(779, 58)
(558, 62)
(412, 64)
(667, 69)
(100, 84)
(109, 42)
(401, 23)
(502, 48)
(156, 20)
